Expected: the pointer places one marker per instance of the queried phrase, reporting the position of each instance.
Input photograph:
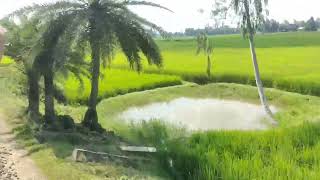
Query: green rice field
(116, 82)
(288, 61)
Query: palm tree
(42, 50)
(21, 39)
(251, 15)
(45, 62)
(104, 24)
(205, 45)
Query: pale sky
(186, 11)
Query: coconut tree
(251, 14)
(104, 24)
(205, 45)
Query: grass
(291, 153)
(116, 82)
(288, 61)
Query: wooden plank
(138, 149)
(80, 154)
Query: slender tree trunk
(33, 95)
(209, 67)
(49, 97)
(95, 77)
(262, 96)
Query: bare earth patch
(203, 114)
(14, 162)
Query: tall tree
(105, 24)
(205, 45)
(60, 53)
(41, 48)
(21, 39)
(251, 14)
(311, 25)
(45, 60)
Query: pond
(202, 114)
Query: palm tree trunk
(209, 67)
(262, 96)
(49, 97)
(33, 95)
(95, 78)
(91, 117)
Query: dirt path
(14, 162)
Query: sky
(186, 12)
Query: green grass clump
(288, 61)
(116, 82)
(276, 154)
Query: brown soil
(14, 161)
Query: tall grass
(275, 154)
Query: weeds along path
(14, 162)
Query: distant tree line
(211, 31)
(268, 26)
(195, 32)
(271, 25)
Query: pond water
(202, 114)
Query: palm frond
(145, 3)
(147, 45)
(46, 8)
